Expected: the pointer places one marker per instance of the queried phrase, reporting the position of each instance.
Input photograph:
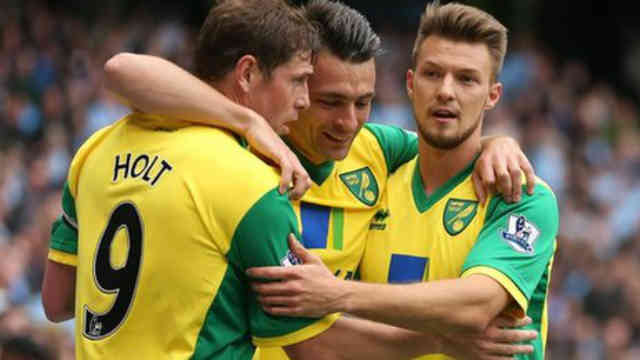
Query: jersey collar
(318, 173)
(422, 200)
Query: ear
(247, 72)
(495, 92)
(409, 80)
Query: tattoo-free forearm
(351, 338)
(460, 305)
(153, 85)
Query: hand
(308, 290)
(499, 168)
(266, 142)
(499, 341)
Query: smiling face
(341, 93)
(450, 89)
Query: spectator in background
(550, 109)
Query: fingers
(484, 177)
(300, 178)
(529, 174)
(272, 272)
(278, 300)
(511, 322)
(282, 310)
(505, 349)
(302, 253)
(286, 176)
(516, 183)
(503, 180)
(275, 288)
(478, 187)
(510, 336)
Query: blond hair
(463, 23)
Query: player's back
(157, 209)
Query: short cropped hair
(463, 23)
(345, 32)
(271, 30)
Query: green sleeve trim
(524, 262)
(260, 239)
(397, 144)
(64, 237)
(69, 206)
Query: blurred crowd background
(572, 80)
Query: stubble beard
(446, 142)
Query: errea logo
(379, 220)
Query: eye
(329, 102)
(363, 104)
(300, 80)
(431, 74)
(467, 79)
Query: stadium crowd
(581, 135)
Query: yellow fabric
(297, 336)
(365, 152)
(407, 232)
(62, 257)
(192, 268)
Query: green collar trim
(422, 200)
(318, 173)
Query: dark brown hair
(345, 32)
(271, 30)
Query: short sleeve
(63, 245)
(517, 243)
(398, 145)
(261, 240)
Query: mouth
(337, 139)
(444, 115)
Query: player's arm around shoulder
(516, 244)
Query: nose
(302, 100)
(348, 119)
(446, 92)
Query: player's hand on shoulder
(307, 289)
(264, 140)
(499, 169)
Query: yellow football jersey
(161, 226)
(445, 235)
(336, 211)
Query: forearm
(58, 291)
(460, 305)
(351, 338)
(153, 85)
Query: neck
(299, 146)
(437, 166)
(226, 88)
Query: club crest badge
(362, 184)
(458, 214)
(520, 234)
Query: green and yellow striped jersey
(161, 226)
(419, 237)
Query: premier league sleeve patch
(520, 234)
(290, 259)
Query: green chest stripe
(338, 227)
(315, 226)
